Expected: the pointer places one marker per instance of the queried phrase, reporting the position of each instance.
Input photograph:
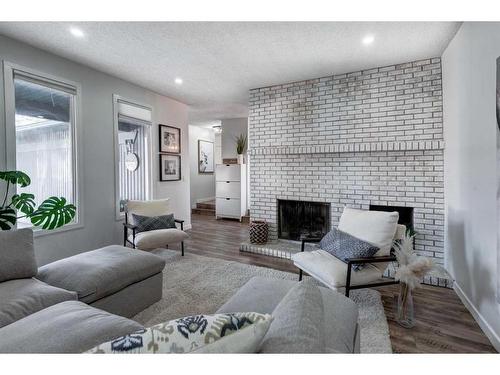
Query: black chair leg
(182, 248)
(300, 274)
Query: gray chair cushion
(22, 297)
(298, 323)
(17, 257)
(99, 273)
(68, 327)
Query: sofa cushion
(220, 333)
(68, 327)
(17, 256)
(99, 273)
(22, 297)
(298, 323)
(263, 295)
(259, 294)
(375, 227)
(159, 238)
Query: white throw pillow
(220, 333)
(375, 227)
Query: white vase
(241, 159)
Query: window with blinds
(44, 131)
(133, 149)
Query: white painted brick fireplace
(368, 137)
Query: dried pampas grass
(412, 267)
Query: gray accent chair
(152, 239)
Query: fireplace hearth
(298, 219)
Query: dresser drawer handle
(228, 199)
(227, 182)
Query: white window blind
(44, 128)
(134, 131)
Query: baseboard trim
(487, 329)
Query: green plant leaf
(7, 218)
(24, 202)
(15, 177)
(53, 213)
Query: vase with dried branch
(411, 269)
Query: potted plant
(241, 143)
(54, 212)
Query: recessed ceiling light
(368, 40)
(178, 81)
(76, 32)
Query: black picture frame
(177, 175)
(163, 132)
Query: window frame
(76, 134)
(119, 216)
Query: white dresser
(230, 190)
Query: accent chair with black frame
(151, 239)
(376, 227)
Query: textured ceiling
(219, 61)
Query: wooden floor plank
(444, 325)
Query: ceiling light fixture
(76, 32)
(368, 40)
(178, 81)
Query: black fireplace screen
(298, 219)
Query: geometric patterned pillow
(147, 223)
(219, 333)
(344, 246)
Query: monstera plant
(54, 212)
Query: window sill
(37, 232)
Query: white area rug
(200, 285)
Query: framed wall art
(170, 139)
(205, 157)
(170, 167)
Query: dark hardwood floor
(444, 325)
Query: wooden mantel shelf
(349, 147)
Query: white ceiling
(219, 61)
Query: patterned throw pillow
(344, 246)
(220, 333)
(147, 223)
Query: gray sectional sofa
(74, 304)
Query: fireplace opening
(405, 213)
(298, 219)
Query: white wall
(202, 184)
(469, 83)
(96, 146)
(232, 128)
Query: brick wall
(369, 137)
